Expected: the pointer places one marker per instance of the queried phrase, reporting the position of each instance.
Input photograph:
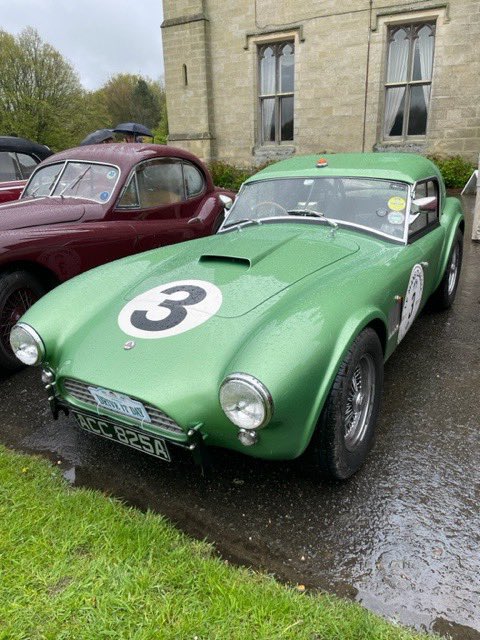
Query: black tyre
(443, 297)
(345, 430)
(18, 291)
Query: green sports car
(269, 337)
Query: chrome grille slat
(79, 391)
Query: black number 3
(177, 309)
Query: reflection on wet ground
(402, 536)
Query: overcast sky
(99, 38)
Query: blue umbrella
(100, 135)
(133, 128)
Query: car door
(417, 263)
(161, 199)
(425, 233)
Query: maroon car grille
(79, 391)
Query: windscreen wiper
(312, 213)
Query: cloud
(99, 39)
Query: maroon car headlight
(26, 344)
(246, 401)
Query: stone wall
(216, 114)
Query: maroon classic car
(18, 159)
(90, 205)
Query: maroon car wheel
(18, 291)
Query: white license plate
(133, 438)
(119, 403)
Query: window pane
(129, 198)
(160, 183)
(43, 181)
(267, 72)
(27, 164)
(8, 170)
(423, 54)
(421, 190)
(268, 120)
(432, 189)
(287, 65)
(398, 57)
(194, 182)
(419, 98)
(286, 109)
(394, 111)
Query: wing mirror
(226, 201)
(429, 203)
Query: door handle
(424, 264)
(195, 220)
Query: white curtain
(397, 72)
(267, 72)
(267, 87)
(426, 44)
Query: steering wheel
(270, 203)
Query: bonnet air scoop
(225, 259)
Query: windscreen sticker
(104, 195)
(170, 309)
(397, 203)
(396, 217)
(111, 175)
(381, 213)
(412, 300)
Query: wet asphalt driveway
(402, 536)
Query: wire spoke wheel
(15, 306)
(453, 269)
(359, 404)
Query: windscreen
(367, 204)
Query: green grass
(75, 564)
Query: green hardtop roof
(405, 167)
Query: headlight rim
(258, 386)
(37, 340)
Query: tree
(40, 93)
(131, 98)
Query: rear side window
(194, 180)
(160, 183)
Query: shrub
(228, 176)
(455, 170)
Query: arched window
(276, 92)
(409, 80)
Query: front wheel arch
(335, 451)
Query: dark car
(18, 159)
(90, 205)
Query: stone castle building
(248, 80)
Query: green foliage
(40, 93)
(229, 176)
(75, 564)
(131, 98)
(455, 170)
(41, 96)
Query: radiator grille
(79, 390)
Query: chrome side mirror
(226, 201)
(429, 203)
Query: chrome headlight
(246, 401)
(26, 344)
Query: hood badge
(129, 345)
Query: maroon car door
(166, 201)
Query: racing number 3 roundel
(413, 298)
(170, 309)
